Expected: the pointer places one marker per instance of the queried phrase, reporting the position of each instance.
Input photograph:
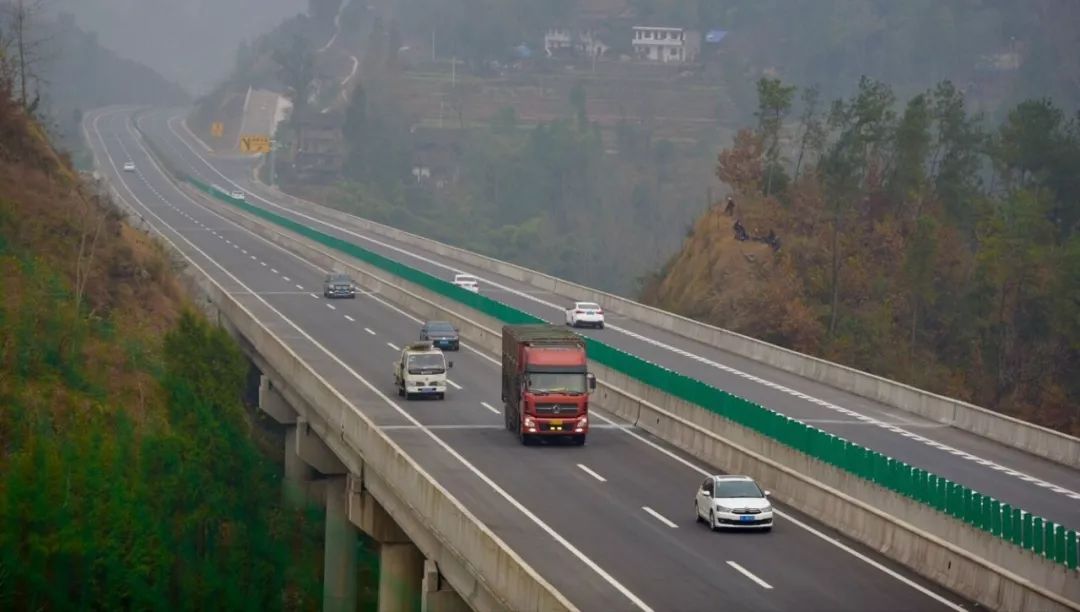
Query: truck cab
(420, 371)
(545, 383)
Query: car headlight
(767, 509)
(720, 508)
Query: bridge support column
(297, 475)
(400, 567)
(436, 595)
(401, 564)
(339, 549)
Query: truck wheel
(526, 439)
(442, 396)
(578, 440)
(408, 396)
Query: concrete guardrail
(939, 547)
(1034, 439)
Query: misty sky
(191, 42)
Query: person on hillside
(740, 231)
(729, 210)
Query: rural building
(666, 45)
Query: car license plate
(556, 422)
(746, 518)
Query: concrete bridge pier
(436, 595)
(401, 564)
(339, 550)
(408, 582)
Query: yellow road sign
(217, 129)
(254, 143)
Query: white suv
(129, 166)
(585, 313)
(467, 282)
(734, 502)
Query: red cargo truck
(545, 383)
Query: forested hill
(130, 477)
(913, 240)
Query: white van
(467, 282)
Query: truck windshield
(426, 364)
(557, 382)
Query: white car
(237, 195)
(467, 282)
(735, 502)
(585, 313)
(129, 166)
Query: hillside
(184, 40)
(916, 242)
(82, 75)
(131, 475)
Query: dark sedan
(442, 334)
(338, 285)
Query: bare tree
(28, 42)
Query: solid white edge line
(585, 469)
(524, 510)
(657, 343)
(660, 517)
(490, 407)
(745, 572)
(825, 537)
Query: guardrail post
(1026, 536)
(1049, 542)
(1017, 526)
(1070, 548)
(1059, 544)
(995, 518)
(1037, 534)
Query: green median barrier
(995, 518)
(935, 491)
(1059, 544)
(1071, 544)
(1038, 533)
(1008, 529)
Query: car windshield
(737, 488)
(441, 327)
(587, 306)
(557, 382)
(428, 363)
(465, 279)
(338, 278)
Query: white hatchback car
(467, 282)
(735, 502)
(585, 313)
(129, 166)
(237, 195)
